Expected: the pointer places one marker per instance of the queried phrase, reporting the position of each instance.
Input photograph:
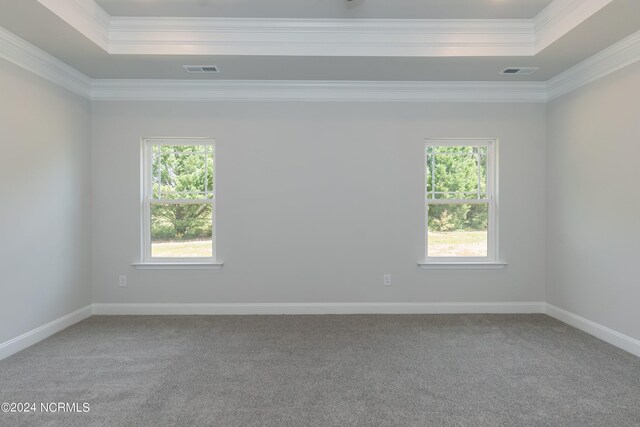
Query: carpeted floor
(391, 370)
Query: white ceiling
(334, 9)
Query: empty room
(320, 213)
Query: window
(460, 200)
(178, 212)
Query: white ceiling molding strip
(29, 57)
(560, 17)
(241, 90)
(607, 61)
(324, 37)
(321, 37)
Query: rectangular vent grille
(201, 68)
(521, 71)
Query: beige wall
(593, 231)
(317, 200)
(45, 209)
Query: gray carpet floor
(368, 370)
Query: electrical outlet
(122, 281)
(387, 279)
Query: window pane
(457, 230)
(456, 172)
(183, 172)
(482, 170)
(456, 149)
(461, 195)
(181, 230)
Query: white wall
(594, 201)
(45, 208)
(316, 201)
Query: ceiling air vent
(201, 68)
(521, 71)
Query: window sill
(216, 265)
(461, 265)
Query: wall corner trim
(33, 336)
(608, 335)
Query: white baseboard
(319, 308)
(610, 336)
(27, 339)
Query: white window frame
(491, 200)
(147, 200)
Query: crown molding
(324, 37)
(321, 37)
(29, 57)
(241, 90)
(560, 17)
(607, 61)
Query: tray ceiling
(367, 9)
(560, 35)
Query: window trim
(492, 258)
(146, 197)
